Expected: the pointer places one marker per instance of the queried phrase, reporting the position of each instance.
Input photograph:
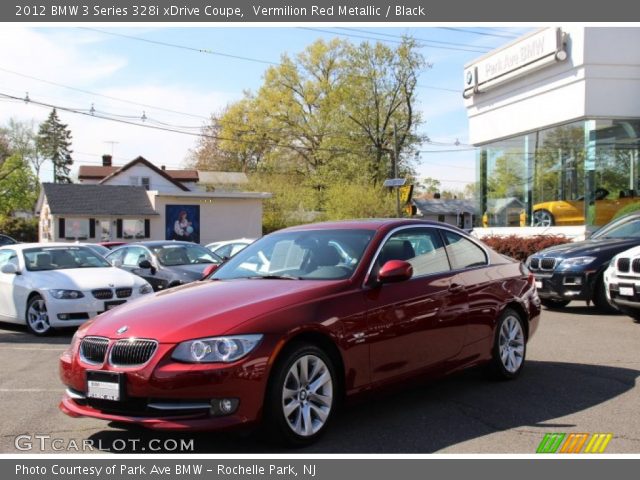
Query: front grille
(102, 293)
(623, 264)
(635, 265)
(547, 263)
(94, 349)
(123, 292)
(132, 352)
(534, 264)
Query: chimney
(106, 160)
(163, 167)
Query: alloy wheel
(511, 344)
(542, 218)
(37, 316)
(307, 395)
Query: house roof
(82, 199)
(444, 206)
(94, 172)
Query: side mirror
(209, 270)
(9, 269)
(116, 263)
(395, 271)
(145, 264)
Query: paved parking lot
(581, 377)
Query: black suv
(574, 271)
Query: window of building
(145, 182)
(76, 228)
(441, 218)
(134, 181)
(132, 228)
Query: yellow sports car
(571, 212)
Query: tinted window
(184, 254)
(630, 228)
(117, 254)
(463, 253)
(421, 247)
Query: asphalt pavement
(581, 376)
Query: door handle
(455, 287)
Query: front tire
(37, 317)
(509, 347)
(600, 299)
(302, 395)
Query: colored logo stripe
(598, 443)
(550, 443)
(574, 443)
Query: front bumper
(72, 313)
(623, 291)
(168, 395)
(564, 285)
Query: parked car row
(603, 269)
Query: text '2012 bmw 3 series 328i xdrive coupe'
(298, 320)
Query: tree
(18, 186)
(23, 141)
(53, 143)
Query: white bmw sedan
(54, 285)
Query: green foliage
(346, 200)
(18, 186)
(631, 208)
(21, 229)
(54, 142)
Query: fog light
(224, 406)
(63, 316)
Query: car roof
(157, 243)
(25, 246)
(369, 224)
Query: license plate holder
(113, 304)
(626, 291)
(105, 385)
(538, 284)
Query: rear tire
(509, 347)
(554, 304)
(543, 218)
(301, 397)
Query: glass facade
(574, 174)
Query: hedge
(21, 229)
(520, 248)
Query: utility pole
(395, 167)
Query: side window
(463, 253)
(421, 247)
(225, 251)
(8, 256)
(134, 256)
(117, 255)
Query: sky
(176, 77)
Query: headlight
(66, 294)
(217, 349)
(144, 289)
(576, 262)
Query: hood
(593, 246)
(207, 308)
(189, 273)
(85, 278)
(631, 253)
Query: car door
(9, 286)
(418, 323)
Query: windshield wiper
(276, 277)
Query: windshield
(304, 255)
(184, 254)
(626, 229)
(62, 258)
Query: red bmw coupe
(299, 320)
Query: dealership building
(556, 119)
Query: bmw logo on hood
(121, 330)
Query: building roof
(82, 199)
(94, 172)
(444, 206)
(148, 164)
(497, 205)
